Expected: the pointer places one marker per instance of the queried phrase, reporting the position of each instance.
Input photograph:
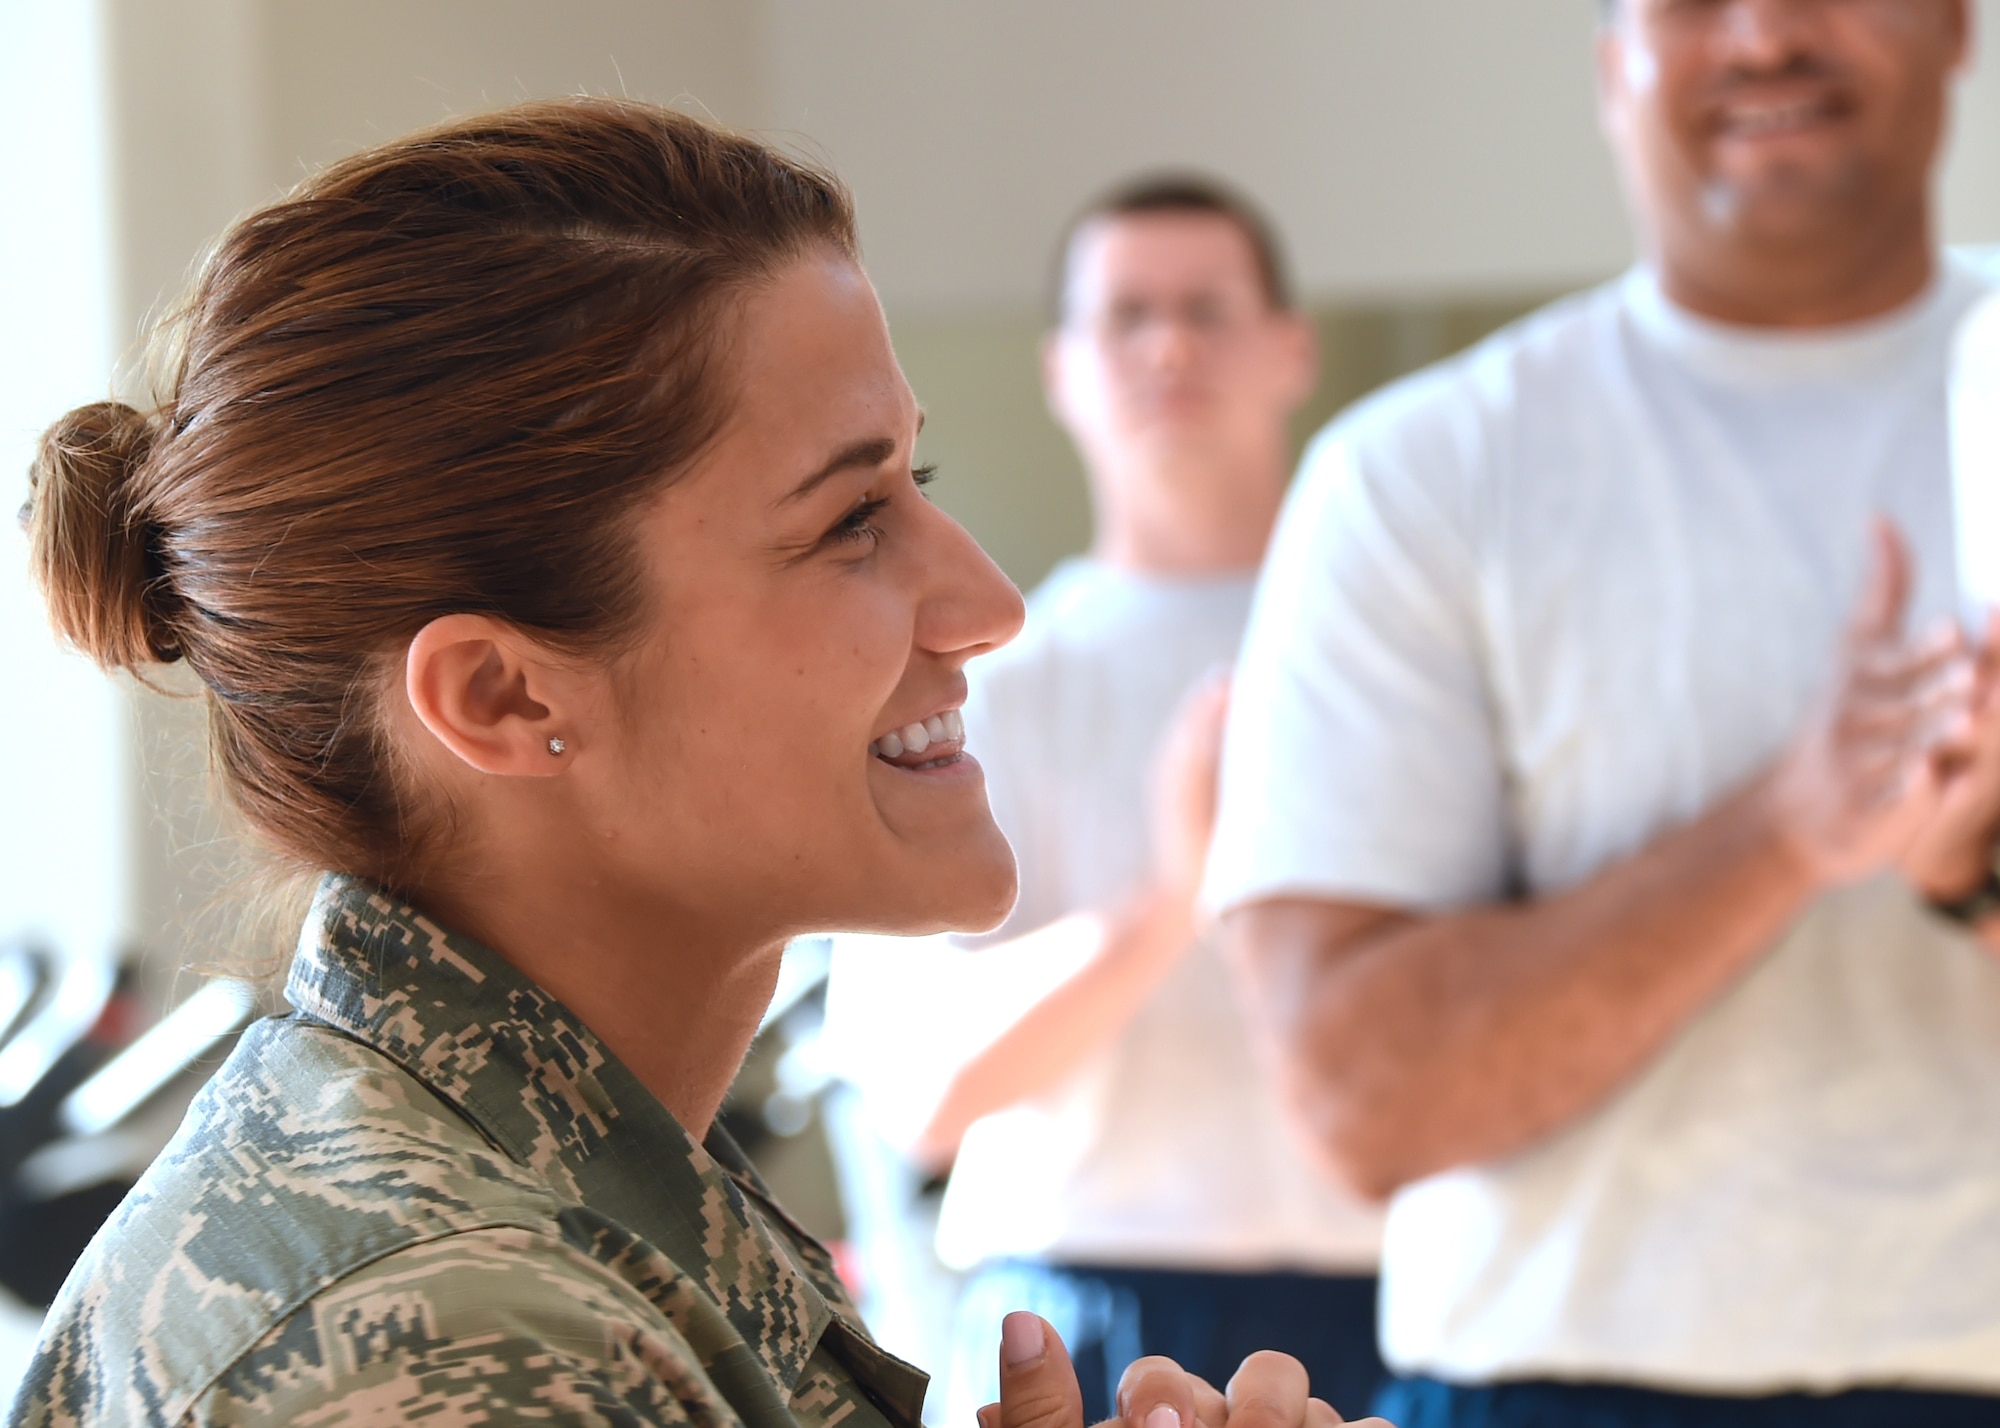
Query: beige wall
(1404, 145)
(1433, 162)
(1011, 477)
(1408, 147)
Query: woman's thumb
(1037, 1385)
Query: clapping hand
(1952, 852)
(1866, 776)
(1038, 1389)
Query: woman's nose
(969, 606)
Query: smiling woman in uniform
(535, 500)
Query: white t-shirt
(1525, 612)
(1167, 1149)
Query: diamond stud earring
(556, 746)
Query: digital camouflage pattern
(430, 1195)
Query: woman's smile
(803, 586)
(932, 742)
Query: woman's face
(809, 607)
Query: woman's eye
(859, 523)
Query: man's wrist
(1969, 905)
(1952, 885)
(1793, 860)
(1958, 874)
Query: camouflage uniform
(431, 1195)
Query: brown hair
(1180, 193)
(436, 377)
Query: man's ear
(1964, 30)
(1055, 377)
(491, 696)
(1301, 340)
(1609, 52)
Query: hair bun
(95, 559)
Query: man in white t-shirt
(1117, 1162)
(1581, 725)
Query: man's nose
(1769, 34)
(1170, 341)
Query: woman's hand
(1038, 1390)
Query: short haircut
(1180, 193)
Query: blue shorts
(1427, 1403)
(1208, 1322)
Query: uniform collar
(534, 1080)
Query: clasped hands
(1038, 1389)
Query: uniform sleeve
(1362, 760)
(486, 1326)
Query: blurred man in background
(1116, 1163)
(1580, 728)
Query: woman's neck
(677, 1005)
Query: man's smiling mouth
(1773, 118)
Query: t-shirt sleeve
(1362, 759)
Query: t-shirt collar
(1738, 353)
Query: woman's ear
(490, 696)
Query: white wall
(65, 837)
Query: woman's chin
(988, 912)
(970, 890)
(983, 888)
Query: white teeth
(1765, 119)
(945, 728)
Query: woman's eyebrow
(866, 455)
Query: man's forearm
(1413, 1045)
(1137, 946)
